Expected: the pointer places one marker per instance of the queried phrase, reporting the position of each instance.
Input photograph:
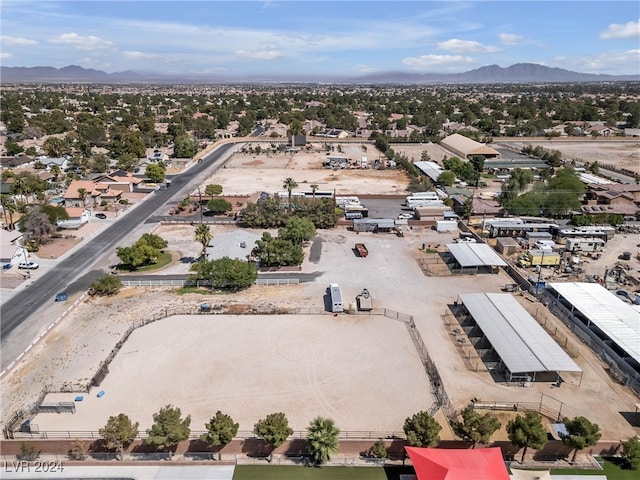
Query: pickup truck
(362, 250)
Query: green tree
(217, 206)
(153, 240)
(168, 429)
(156, 173)
(28, 452)
(297, 230)
(137, 255)
(220, 430)
(527, 431)
(227, 273)
(422, 430)
(379, 450)
(106, 285)
(289, 184)
(475, 427)
(273, 429)
(12, 147)
(447, 178)
(54, 213)
(119, 431)
(275, 252)
(322, 439)
(631, 452)
(127, 162)
(203, 236)
(581, 433)
(213, 189)
(185, 147)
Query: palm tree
(289, 184)
(7, 207)
(82, 193)
(203, 235)
(314, 189)
(19, 189)
(322, 439)
(55, 171)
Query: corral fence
(548, 406)
(9, 430)
(34, 434)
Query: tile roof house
(120, 180)
(74, 198)
(623, 199)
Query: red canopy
(458, 464)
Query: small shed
(446, 225)
(506, 245)
(373, 225)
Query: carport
(472, 257)
(523, 346)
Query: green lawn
(277, 472)
(611, 469)
(163, 259)
(280, 472)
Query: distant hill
(70, 74)
(518, 73)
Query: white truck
(336, 298)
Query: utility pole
(200, 203)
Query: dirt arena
(250, 366)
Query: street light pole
(200, 203)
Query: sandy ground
(622, 154)
(250, 366)
(268, 172)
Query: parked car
(61, 297)
(625, 256)
(405, 216)
(28, 265)
(101, 216)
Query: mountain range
(518, 73)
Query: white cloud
(6, 55)
(89, 42)
(135, 55)
(510, 38)
(628, 30)
(466, 46)
(612, 63)
(17, 41)
(266, 53)
(365, 68)
(426, 61)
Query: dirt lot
(268, 171)
(624, 154)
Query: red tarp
(458, 464)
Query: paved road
(74, 274)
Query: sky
(307, 38)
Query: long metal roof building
(619, 321)
(475, 255)
(522, 344)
